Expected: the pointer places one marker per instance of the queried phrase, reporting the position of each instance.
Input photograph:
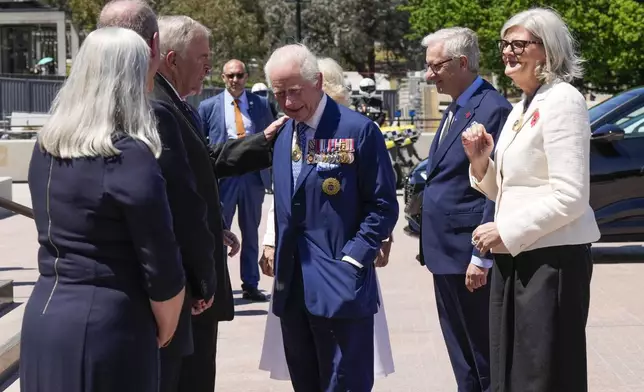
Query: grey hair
(562, 61)
(457, 41)
(101, 98)
(177, 32)
(130, 14)
(293, 55)
(333, 80)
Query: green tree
(235, 32)
(608, 33)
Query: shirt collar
(314, 121)
(243, 99)
(171, 86)
(467, 94)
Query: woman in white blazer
(543, 225)
(273, 358)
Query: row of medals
(333, 157)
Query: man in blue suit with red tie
(233, 114)
(452, 209)
(335, 203)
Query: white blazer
(540, 178)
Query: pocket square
(325, 166)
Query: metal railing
(34, 94)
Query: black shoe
(253, 294)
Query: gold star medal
(331, 186)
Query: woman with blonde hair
(273, 358)
(111, 283)
(543, 225)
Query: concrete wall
(15, 156)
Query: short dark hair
(135, 15)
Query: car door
(617, 176)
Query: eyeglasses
(239, 75)
(438, 66)
(517, 46)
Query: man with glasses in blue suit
(234, 114)
(452, 209)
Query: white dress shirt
(229, 114)
(540, 177)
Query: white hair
(294, 55)
(177, 32)
(102, 98)
(333, 80)
(457, 42)
(562, 61)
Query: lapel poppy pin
(535, 118)
(468, 114)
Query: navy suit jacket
(451, 208)
(319, 229)
(213, 114)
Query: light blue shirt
(461, 102)
(229, 111)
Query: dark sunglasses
(517, 46)
(239, 75)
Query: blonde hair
(333, 80)
(102, 97)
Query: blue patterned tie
(301, 141)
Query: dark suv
(616, 170)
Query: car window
(633, 122)
(608, 105)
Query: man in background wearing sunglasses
(452, 209)
(234, 114)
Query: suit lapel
(252, 113)
(434, 146)
(220, 107)
(325, 130)
(463, 118)
(283, 162)
(514, 117)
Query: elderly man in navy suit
(233, 114)
(335, 203)
(452, 209)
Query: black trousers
(539, 304)
(196, 372)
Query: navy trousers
(245, 193)
(464, 320)
(326, 354)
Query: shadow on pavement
(256, 312)
(623, 254)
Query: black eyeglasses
(517, 46)
(239, 75)
(438, 66)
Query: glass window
(633, 122)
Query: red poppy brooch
(535, 118)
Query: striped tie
(301, 141)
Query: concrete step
(6, 296)
(10, 326)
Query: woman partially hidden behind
(543, 226)
(111, 283)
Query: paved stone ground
(615, 329)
